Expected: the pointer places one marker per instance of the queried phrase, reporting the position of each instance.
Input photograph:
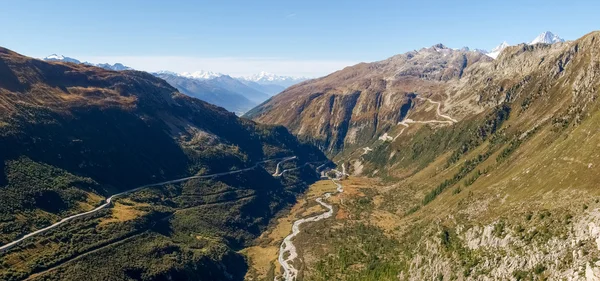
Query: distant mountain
(496, 51)
(269, 89)
(230, 93)
(115, 67)
(547, 38)
(61, 58)
(234, 94)
(208, 91)
(466, 49)
(201, 74)
(263, 82)
(234, 85)
(266, 78)
(55, 57)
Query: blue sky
(305, 37)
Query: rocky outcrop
(505, 254)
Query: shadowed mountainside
(73, 134)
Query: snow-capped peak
(201, 74)
(500, 47)
(264, 76)
(55, 57)
(547, 38)
(496, 51)
(61, 58)
(167, 72)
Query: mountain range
(61, 58)
(544, 38)
(234, 94)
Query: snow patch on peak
(266, 77)
(501, 47)
(115, 67)
(167, 72)
(496, 51)
(61, 58)
(547, 38)
(55, 57)
(201, 74)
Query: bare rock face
(503, 254)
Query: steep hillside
(74, 134)
(488, 175)
(354, 105)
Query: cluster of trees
(38, 194)
(187, 231)
(490, 127)
(364, 252)
(466, 168)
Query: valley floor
(369, 239)
(314, 237)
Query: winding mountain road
(439, 111)
(277, 173)
(109, 199)
(406, 122)
(290, 273)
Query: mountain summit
(55, 57)
(496, 51)
(201, 74)
(269, 78)
(61, 58)
(547, 38)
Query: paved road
(290, 273)
(439, 111)
(406, 122)
(277, 173)
(109, 199)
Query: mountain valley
(461, 167)
(56, 164)
(438, 163)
